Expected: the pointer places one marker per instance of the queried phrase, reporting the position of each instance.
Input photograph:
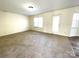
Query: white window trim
(54, 29)
(74, 28)
(37, 23)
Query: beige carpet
(75, 44)
(32, 44)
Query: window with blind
(38, 22)
(75, 24)
(55, 24)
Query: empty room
(39, 28)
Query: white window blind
(55, 25)
(75, 24)
(38, 22)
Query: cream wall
(12, 23)
(66, 16)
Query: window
(75, 20)
(38, 22)
(55, 25)
(75, 24)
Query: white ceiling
(17, 6)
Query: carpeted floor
(32, 44)
(75, 44)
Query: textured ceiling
(17, 6)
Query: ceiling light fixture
(30, 7)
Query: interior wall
(12, 23)
(66, 16)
